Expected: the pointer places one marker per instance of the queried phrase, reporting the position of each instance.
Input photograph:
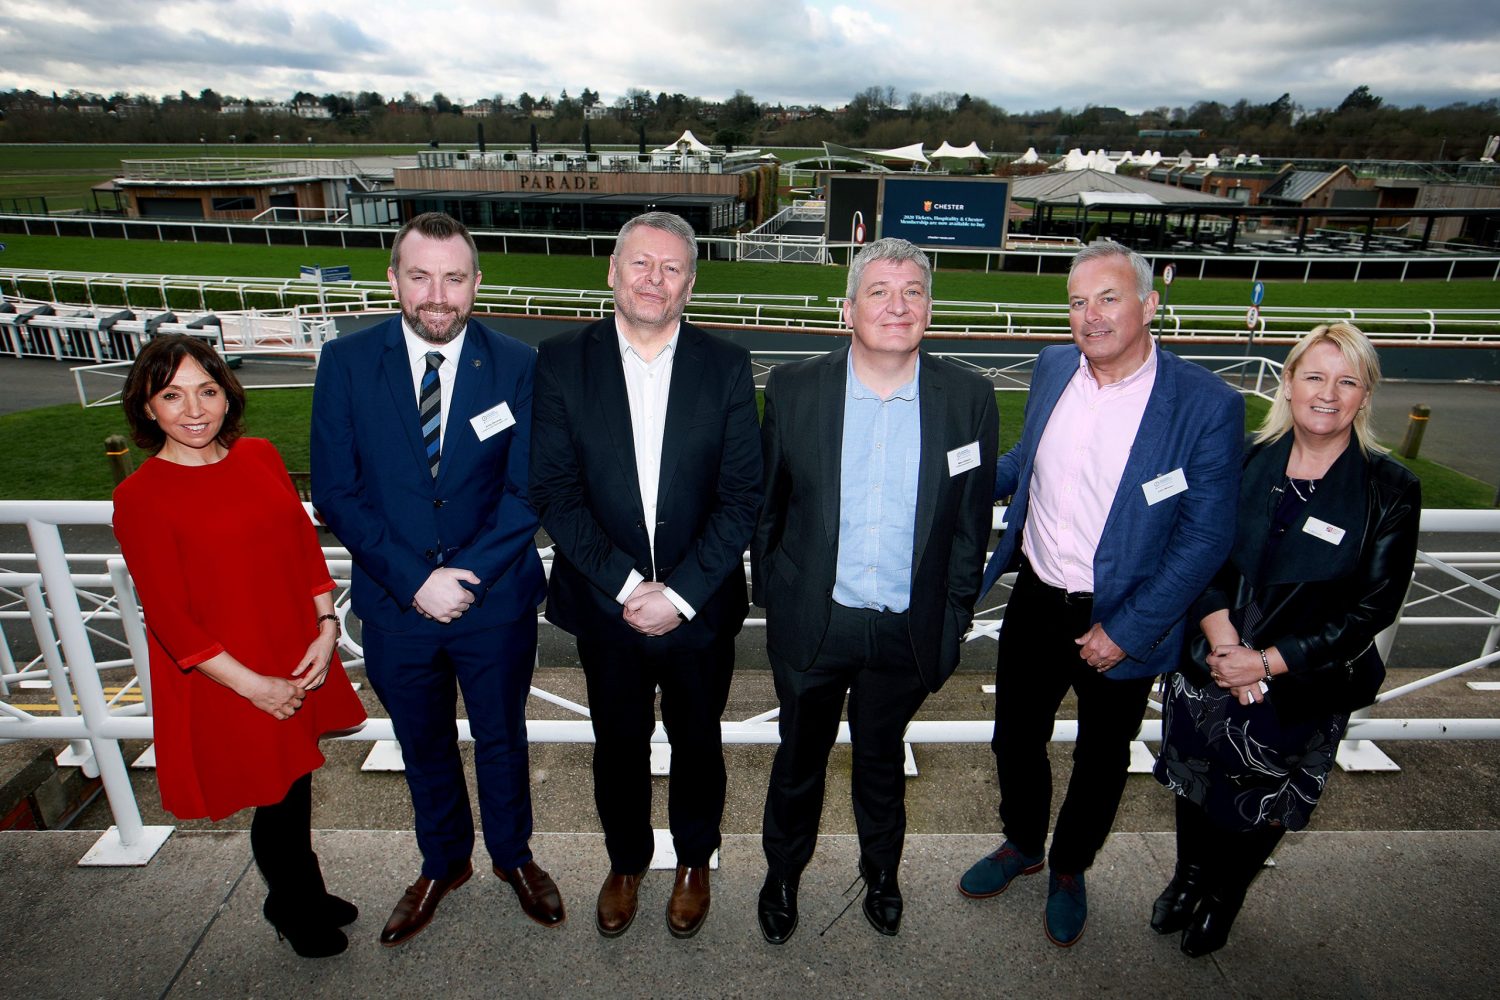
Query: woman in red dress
(239, 612)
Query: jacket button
(428, 553)
(437, 503)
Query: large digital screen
(939, 213)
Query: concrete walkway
(1331, 919)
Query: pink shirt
(1079, 462)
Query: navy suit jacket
(372, 486)
(585, 485)
(795, 554)
(1153, 560)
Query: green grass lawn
(542, 271)
(57, 452)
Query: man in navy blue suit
(1124, 482)
(421, 436)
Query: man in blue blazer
(1124, 483)
(421, 434)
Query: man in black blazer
(645, 470)
(867, 558)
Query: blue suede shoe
(992, 874)
(1067, 909)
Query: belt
(1065, 596)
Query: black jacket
(1322, 603)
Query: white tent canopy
(948, 152)
(913, 153)
(693, 145)
(1029, 156)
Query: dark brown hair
(152, 372)
(434, 226)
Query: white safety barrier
(69, 600)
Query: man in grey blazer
(867, 557)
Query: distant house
(543, 109)
(480, 109)
(306, 108)
(596, 111)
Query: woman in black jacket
(1325, 541)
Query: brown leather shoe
(417, 908)
(538, 894)
(617, 902)
(688, 907)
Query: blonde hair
(1359, 354)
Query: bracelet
(338, 630)
(1265, 663)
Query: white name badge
(963, 459)
(1161, 487)
(492, 421)
(1330, 533)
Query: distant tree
(526, 102)
(441, 104)
(1360, 99)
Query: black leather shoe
(537, 893)
(1173, 909)
(883, 904)
(310, 934)
(777, 908)
(1209, 930)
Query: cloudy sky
(1134, 54)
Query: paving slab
(1341, 914)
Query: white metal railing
(1281, 325)
(68, 602)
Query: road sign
(1252, 316)
(1168, 273)
(1257, 293)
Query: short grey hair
(891, 249)
(1100, 249)
(667, 222)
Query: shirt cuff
(683, 607)
(631, 582)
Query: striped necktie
(430, 406)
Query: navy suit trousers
(417, 674)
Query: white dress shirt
(417, 350)
(648, 384)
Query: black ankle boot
(1209, 929)
(1173, 909)
(306, 927)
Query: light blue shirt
(882, 450)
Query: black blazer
(795, 553)
(1322, 604)
(585, 488)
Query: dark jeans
(622, 681)
(868, 654)
(1038, 662)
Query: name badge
(492, 421)
(1165, 486)
(963, 459)
(1330, 533)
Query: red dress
(224, 557)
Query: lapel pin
(477, 362)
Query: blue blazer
(371, 484)
(1152, 560)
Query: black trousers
(281, 842)
(622, 681)
(869, 655)
(1038, 662)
